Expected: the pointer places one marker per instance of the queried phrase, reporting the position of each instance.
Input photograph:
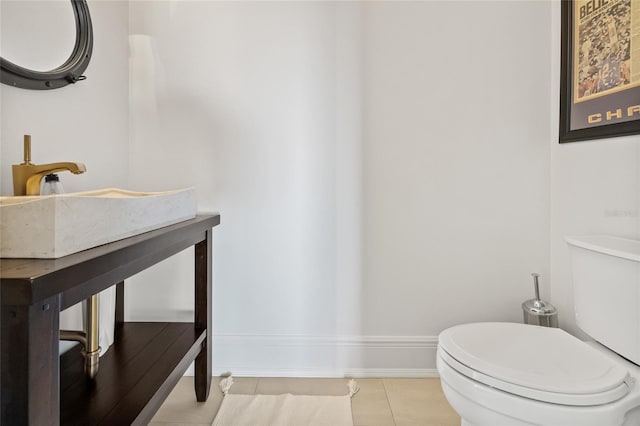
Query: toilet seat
(539, 363)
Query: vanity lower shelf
(136, 374)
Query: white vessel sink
(53, 226)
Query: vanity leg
(30, 364)
(120, 303)
(203, 315)
(119, 309)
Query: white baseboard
(393, 372)
(324, 356)
(378, 373)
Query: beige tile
(370, 406)
(419, 402)
(302, 386)
(181, 407)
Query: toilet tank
(606, 287)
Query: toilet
(510, 374)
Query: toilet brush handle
(535, 285)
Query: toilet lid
(541, 363)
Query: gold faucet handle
(27, 149)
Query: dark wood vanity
(38, 387)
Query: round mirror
(31, 55)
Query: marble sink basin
(52, 226)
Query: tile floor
(380, 402)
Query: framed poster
(600, 70)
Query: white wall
(85, 122)
(382, 171)
(595, 189)
(456, 163)
(257, 106)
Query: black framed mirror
(67, 73)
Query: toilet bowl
(515, 374)
(508, 374)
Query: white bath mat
(284, 410)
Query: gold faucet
(27, 176)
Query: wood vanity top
(27, 281)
